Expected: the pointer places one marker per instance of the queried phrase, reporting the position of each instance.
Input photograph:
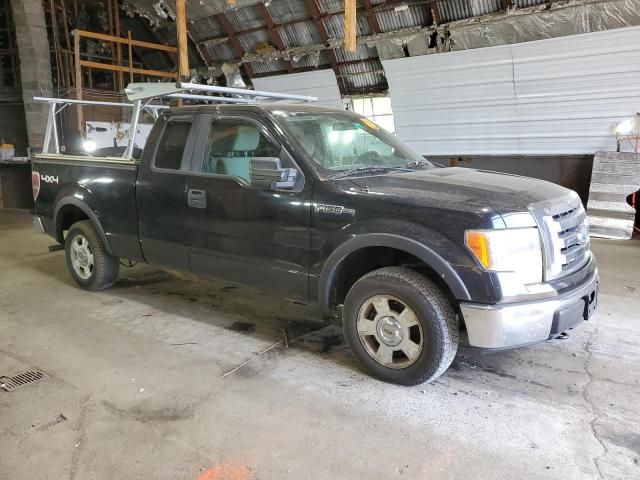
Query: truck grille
(565, 234)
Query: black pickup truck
(324, 206)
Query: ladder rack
(141, 95)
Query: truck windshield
(342, 142)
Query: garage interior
(169, 375)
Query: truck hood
(468, 188)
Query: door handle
(197, 198)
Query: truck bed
(100, 183)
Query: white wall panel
(557, 96)
(319, 83)
(108, 134)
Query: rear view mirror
(343, 126)
(266, 174)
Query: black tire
(433, 310)
(104, 271)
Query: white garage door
(556, 96)
(318, 83)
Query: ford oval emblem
(582, 234)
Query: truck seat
(232, 154)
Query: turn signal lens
(479, 246)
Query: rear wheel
(87, 259)
(400, 326)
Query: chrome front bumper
(524, 323)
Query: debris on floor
(284, 342)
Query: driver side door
(239, 232)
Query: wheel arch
(437, 267)
(70, 210)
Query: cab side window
(171, 146)
(231, 145)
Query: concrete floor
(136, 388)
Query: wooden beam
(125, 69)
(350, 25)
(183, 47)
(125, 40)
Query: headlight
(515, 250)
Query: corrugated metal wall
(557, 96)
(319, 83)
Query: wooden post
(116, 20)
(76, 49)
(130, 57)
(114, 81)
(56, 46)
(110, 17)
(181, 25)
(350, 27)
(67, 37)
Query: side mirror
(266, 174)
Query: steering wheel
(370, 156)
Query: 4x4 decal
(49, 178)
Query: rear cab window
(170, 153)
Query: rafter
(372, 18)
(274, 33)
(324, 35)
(232, 36)
(435, 13)
(368, 9)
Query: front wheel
(87, 259)
(400, 326)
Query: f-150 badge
(335, 209)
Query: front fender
(432, 259)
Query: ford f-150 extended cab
(325, 206)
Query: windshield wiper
(367, 170)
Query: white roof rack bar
(145, 91)
(141, 93)
(209, 98)
(243, 91)
(91, 102)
